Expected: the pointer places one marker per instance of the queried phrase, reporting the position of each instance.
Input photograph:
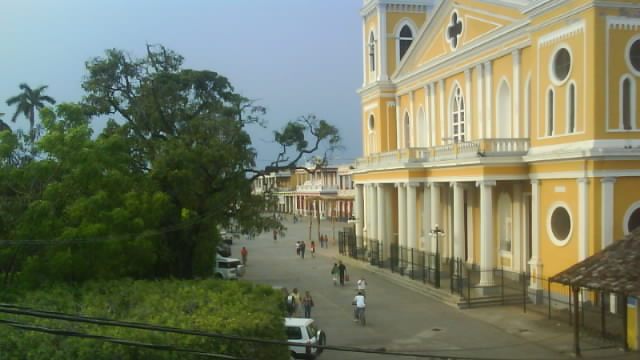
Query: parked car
(303, 332)
(227, 238)
(223, 250)
(228, 268)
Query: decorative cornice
(562, 34)
(623, 23)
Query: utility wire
(151, 232)
(20, 310)
(31, 327)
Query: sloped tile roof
(614, 269)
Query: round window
(561, 64)
(372, 122)
(634, 220)
(634, 55)
(560, 223)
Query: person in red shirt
(244, 252)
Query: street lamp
(437, 232)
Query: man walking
(342, 270)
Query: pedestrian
(298, 246)
(362, 285)
(293, 300)
(244, 252)
(342, 270)
(321, 241)
(307, 303)
(313, 249)
(324, 240)
(275, 235)
(334, 274)
(302, 249)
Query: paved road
(398, 319)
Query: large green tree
(188, 128)
(3, 125)
(27, 103)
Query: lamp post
(437, 232)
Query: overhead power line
(25, 311)
(31, 327)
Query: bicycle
(360, 316)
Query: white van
(228, 268)
(304, 332)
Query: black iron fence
(476, 287)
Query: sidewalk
(530, 327)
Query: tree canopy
(146, 197)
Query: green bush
(232, 308)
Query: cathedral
(509, 125)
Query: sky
(295, 57)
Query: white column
(373, 235)
(412, 236)
(432, 105)
(607, 210)
(398, 125)
(382, 29)
(488, 117)
(487, 246)
(516, 93)
(426, 216)
(583, 229)
(442, 111)
(381, 213)
(426, 132)
(480, 101)
(402, 214)
(435, 210)
(535, 263)
(359, 213)
(365, 52)
(370, 231)
(458, 220)
(468, 123)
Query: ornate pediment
(455, 26)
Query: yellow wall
(555, 258)
(393, 19)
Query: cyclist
(358, 312)
(362, 286)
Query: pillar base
(536, 295)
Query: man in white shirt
(358, 301)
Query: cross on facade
(454, 30)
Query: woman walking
(307, 303)
(334, 274)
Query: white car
(303, 332)
(228, 268)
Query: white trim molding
(552, 208)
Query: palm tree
(27, 103)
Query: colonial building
(511, 124)
(328, 190)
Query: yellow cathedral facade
(510, 124)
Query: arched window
(627, 103)
(372, 134)
(457, 116)
(571, 108)
(407, 130)
(550, 112)
(404, 40)
(504, 111)
(372, 52)
(505, 216)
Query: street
(398, 319)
